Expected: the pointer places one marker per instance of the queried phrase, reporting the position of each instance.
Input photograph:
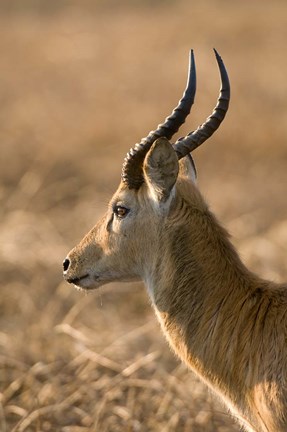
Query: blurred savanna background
(80, 83)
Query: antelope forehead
(124, 197)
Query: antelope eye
(121, 211)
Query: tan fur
(227, 324)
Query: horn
(132, 168)
(186, 145)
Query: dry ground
(80, 83)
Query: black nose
(66, 264)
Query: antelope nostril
(66, 264)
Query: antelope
(227, 324)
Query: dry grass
(81, 82)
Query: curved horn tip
(191, 54)
(191, 78)
(217, 54)
(219, 59)
(222, 69)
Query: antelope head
(122, 244)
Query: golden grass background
(80, 83)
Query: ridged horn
(194, 139)
(132, 173)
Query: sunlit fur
(224, 322)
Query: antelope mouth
(76, 281)
(85, 282)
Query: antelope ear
(161, 169)
(187, 168)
